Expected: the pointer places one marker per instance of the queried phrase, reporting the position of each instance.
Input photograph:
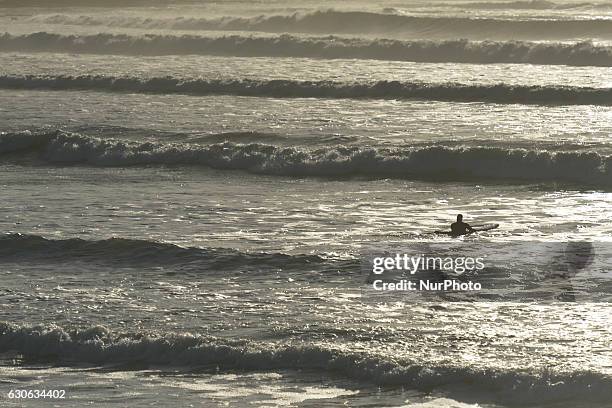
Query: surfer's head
(459, 217)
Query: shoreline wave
(281, 88)
(457, 51)
(433, 162)
(98, 345)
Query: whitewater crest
(584, 53)
(99, 345)
(420, 162)
(282, 88)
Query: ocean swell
(421, 162)
(139, 253)
(281, 88)
(97, 345)
(461, 51)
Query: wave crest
(462, 51)
(359, 22)
(133, 252)
(281, 88)
(98, 345)
(422, 162)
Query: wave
(450, 92)
(511, 5)
(139, 253)
(526, 5)
(98, 345)
(359, 22)
(90, 3)
(420, 162)
(462, 51)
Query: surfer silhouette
(460, 227)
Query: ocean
(193, 191)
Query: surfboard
(476, 227)
(484, 227)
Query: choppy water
(189, 191)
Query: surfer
(460, 227)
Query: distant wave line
(461, 51)
(522, 5)
(359, 22)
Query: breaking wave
(463, 51)
(133, 253)
(359, 22)
(422, 162)
(98, 345)
(89, 3)
(527, 5)
(452, 92)
(516, 5)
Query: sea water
(188, 192)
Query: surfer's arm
(469, 228)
